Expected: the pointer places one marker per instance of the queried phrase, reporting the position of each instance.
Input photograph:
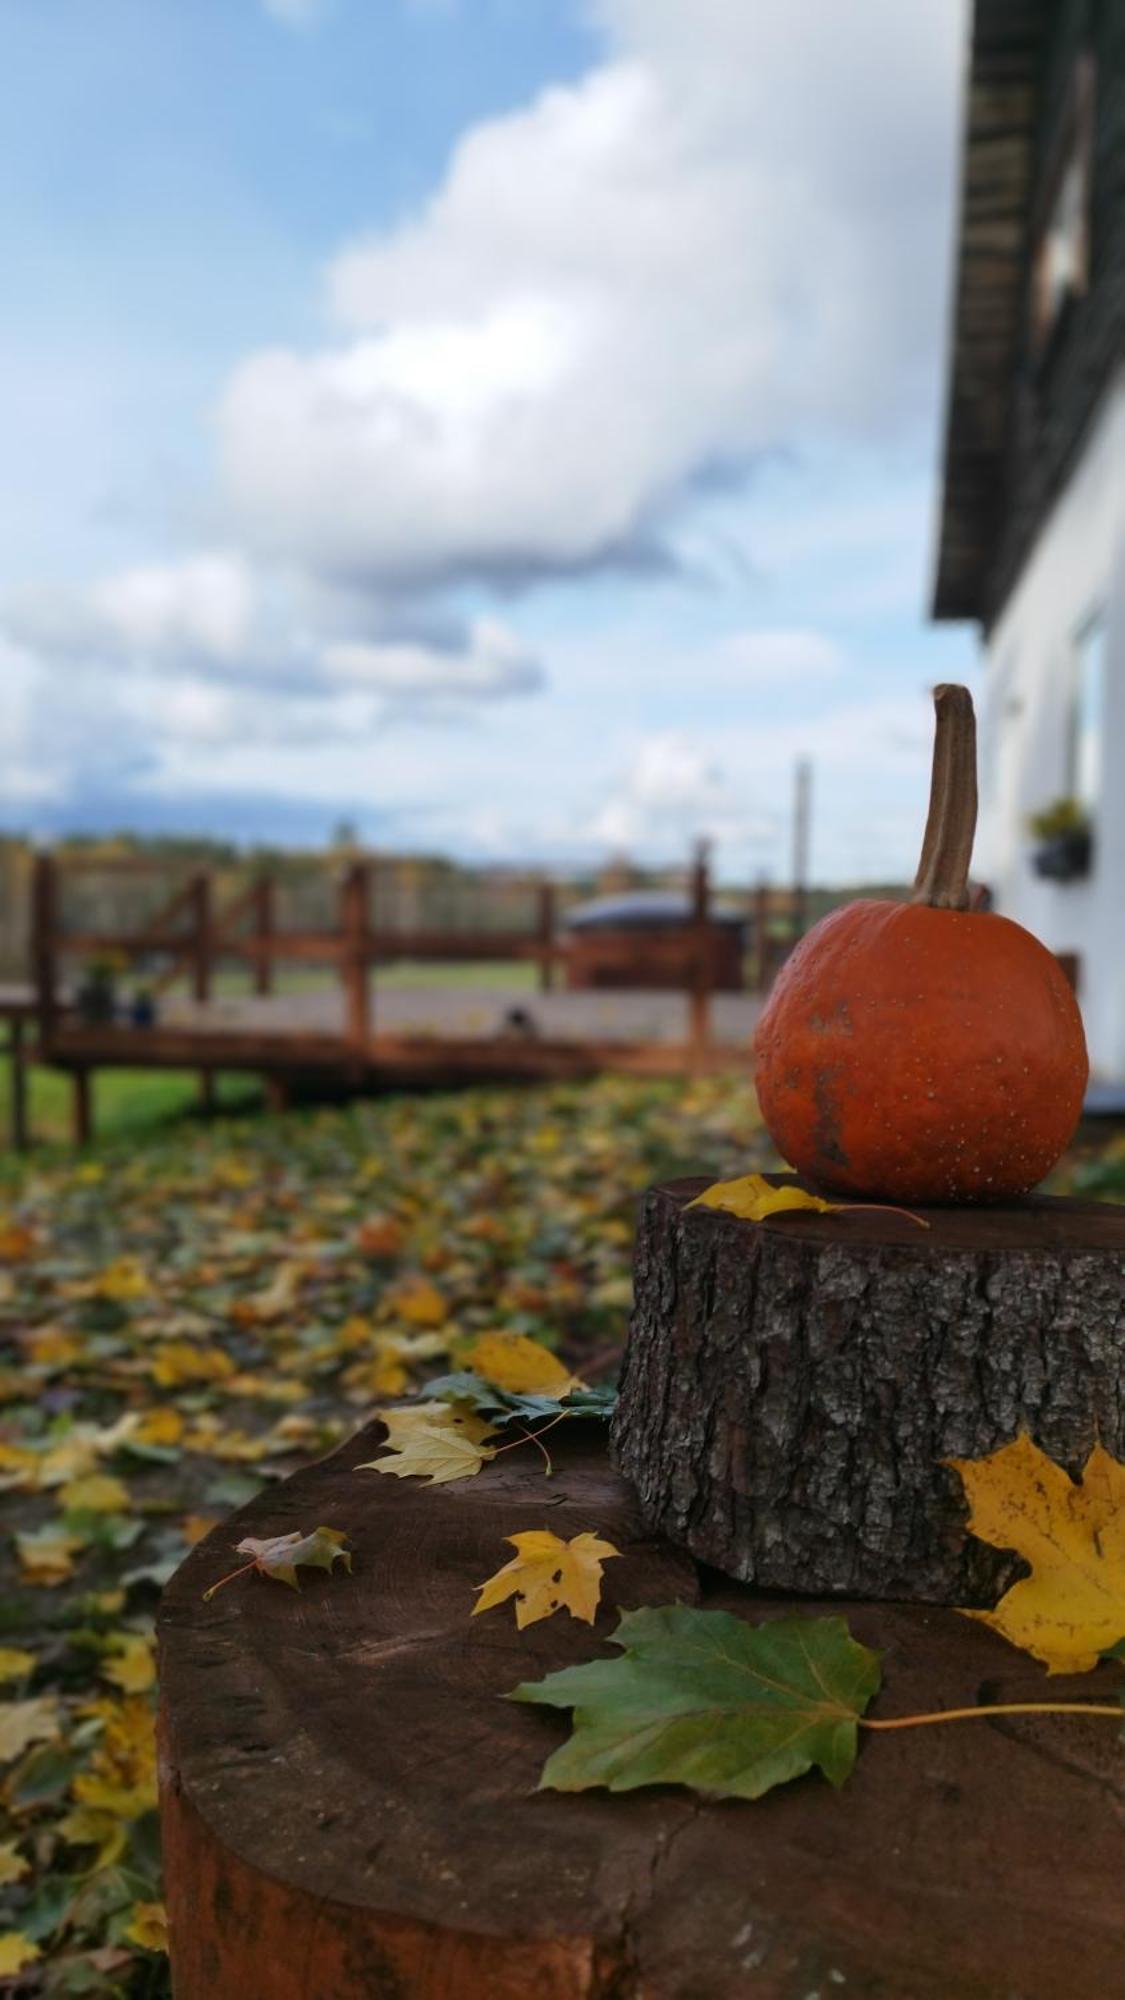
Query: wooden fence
(205, 925)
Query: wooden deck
(353, 1031)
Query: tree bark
(792, 1388)
(350, 1808)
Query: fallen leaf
(148, 1926)
(17, 1242)
(16, 1952)
(279, 1555)
(275, 1301)
(406, 1420)
(14, 1663)
(440, 1447)
(13, 1865)
(46, 1555)
(546, 1574)
(179, 1362)
(132, 1666)
(92, 1826)
(24, 1722)
(417, 1301)
(100, 1493)
(1072, 1606)
(700, 1698)
(753, 1198)
(513, 1361)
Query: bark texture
(792, 1388)
(350, 1808)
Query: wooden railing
(193, 935)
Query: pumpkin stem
(947, 845)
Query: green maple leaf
(702, 1699)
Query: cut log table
(792, 1389)
(350, 1805)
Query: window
(1087, 709)
(1061, 255)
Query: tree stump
(792, 1388)
(350, 1807)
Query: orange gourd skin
(921, 1055)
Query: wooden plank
(355, 954)
(44, 926)
(264, 917)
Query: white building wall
(1076, 570)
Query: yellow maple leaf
(193, 1527)
(418, 1301)
(14, 1663)
(92, 1826)
(16, 1951)
(46, 1555)
(51, 1347)
(178, 1362)
(132, 1666)
(99, 1493)
(24, 1722)
(752, 1197)
(120, 1778)
(547, 1573)
(523, 1366)
(148, 1926)
(1072, 1606)
(162, 1426)
(13, 1865)
(433, 1442)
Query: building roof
(644, 909)
(998, 172)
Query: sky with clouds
(512, 425)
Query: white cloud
(720, 240)
(493, 664)
(674, 790)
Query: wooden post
(204, 943)
(546, 936)
(762, 902)
(44, 943)
(353, 956)
(17, 1061)
(278, 1094)
(700, 1020)
(82, 1109)
(263, 930)
(207, 1100)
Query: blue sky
(511, 425)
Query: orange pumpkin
(924, 1051)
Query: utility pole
(802, 815)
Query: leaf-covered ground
(181, 1322)
(184, 1321)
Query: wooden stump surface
(350, 1807)
(792, 1389)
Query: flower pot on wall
(1064, 857)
